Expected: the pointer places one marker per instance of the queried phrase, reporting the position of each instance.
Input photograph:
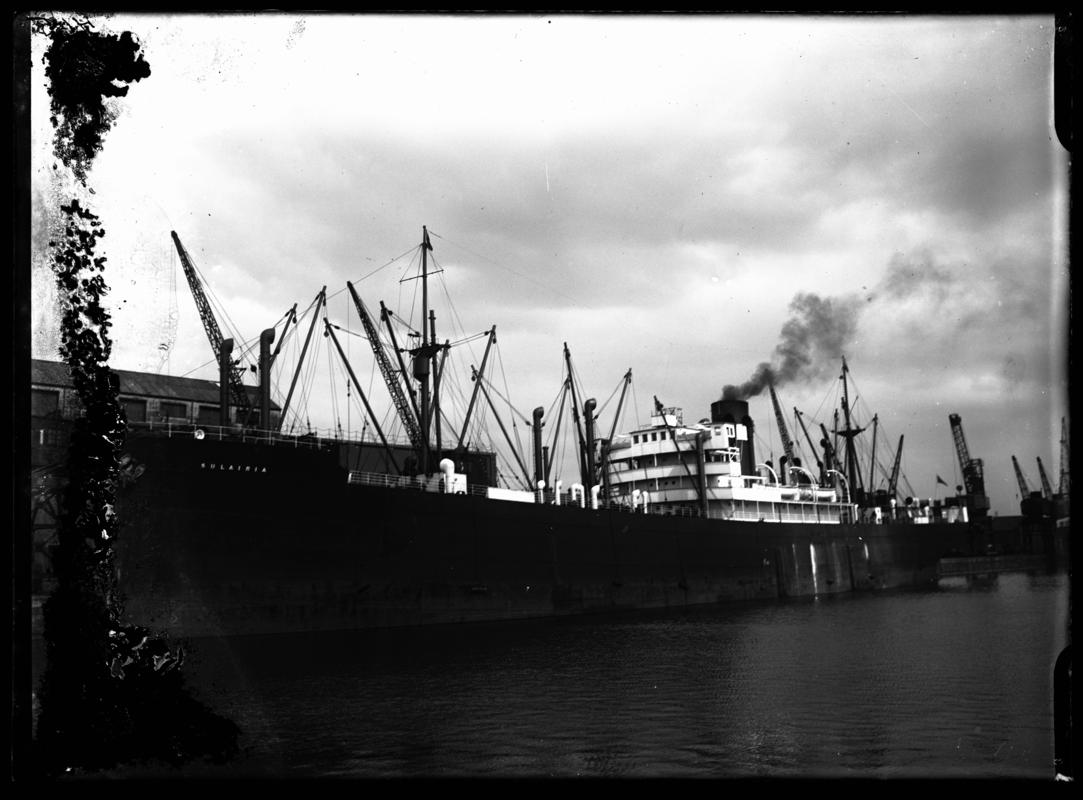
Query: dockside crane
(1047, 490)
(1032, 505)
(787, 443)
(972, 468)
(236, 383)
(1024, 489)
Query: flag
(941, 480)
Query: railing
(433, 484)
(789, 512)
(174, 429)
(820, 513)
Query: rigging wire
(549, 287)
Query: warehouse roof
(140, 384)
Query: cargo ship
(239, 528)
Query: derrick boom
(398, 396)
(893, 481)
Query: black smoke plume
(812, 341)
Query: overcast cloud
(654, 191)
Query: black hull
(227, 538)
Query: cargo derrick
(320, 300)
(398, 396)
(973, 471)
(893, 481)
(214, 333)
(603, 460)
(575, 417)
(815, 453)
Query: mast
(853, 475)
(425, 248)
(422, 356)
(435, 380)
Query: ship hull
(228, 538)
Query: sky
(688, 197)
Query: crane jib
(214, 334)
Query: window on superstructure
(635, 439)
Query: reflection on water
(955, 682)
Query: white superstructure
(658, 468)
